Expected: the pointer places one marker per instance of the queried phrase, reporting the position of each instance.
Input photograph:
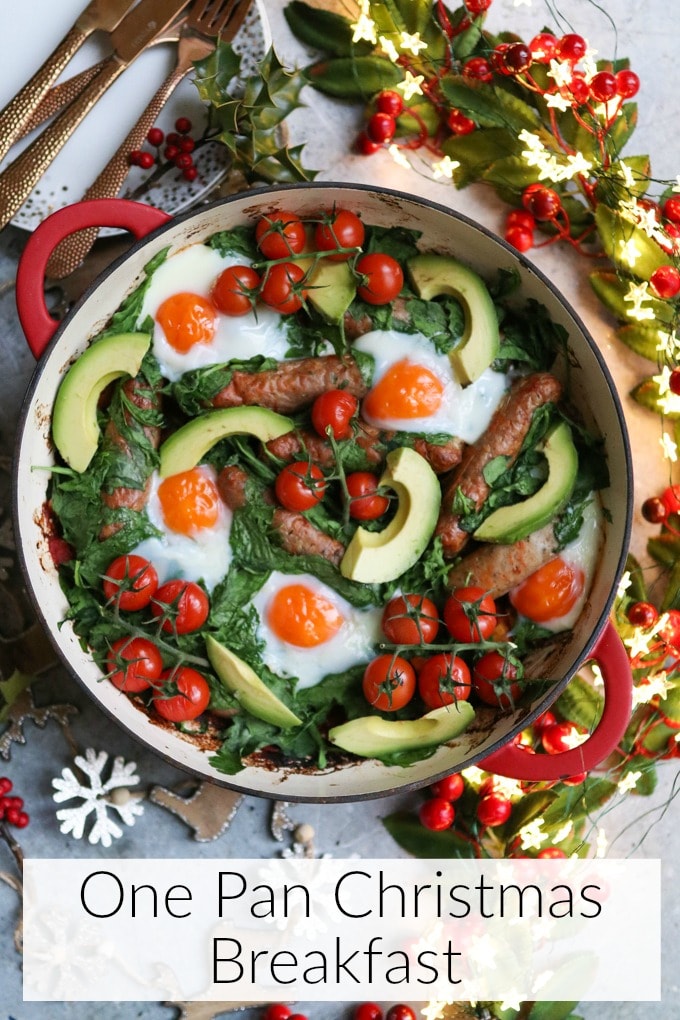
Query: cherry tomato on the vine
(191, 699)
(389, 683)
(130, 581)
(300, 485)
(382, 280)
(280, 235)
(436, 814)
(443, 679)
(494, 680)
(343, 230)
(183, 605)
(234, 290)
(470, 614)
(133, 664)
(282, 288)
(334, 409)
(410, 620)
(366, 503)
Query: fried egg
(310, 631)
(414, 388)
(554, 596)
(188, 330)
(195, 525)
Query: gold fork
(207, 21)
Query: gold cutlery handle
(58, 97)
(70, 252)
(19, 110)
(21, 176)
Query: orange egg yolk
(406, 390)
(551, 592)
(189, 501)
(187, 319)
(302, 617)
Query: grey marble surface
(646, 31)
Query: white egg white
(583, 552)
(204, 556)
(194, 270)
(464, 412)
(352, 644)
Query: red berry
(381, 127)
(559, 737)
(543, 47)
(155, 137)
(627, 83)
(400, 1011)
(603, 86)
(146, 160)
(134, 157)
(436, 814)
(171, 152)
(450, 787)
(642, 614)
(579, 89)
(517, 58)
(368, 1011)
(297, 1016)
(543, 203)
(190, 174)
(186, 145)
(475, 7)
(5, 785)
(389, 101)
(665, 281)
(654, 510)
(15, 816)
(276, 1011)
(365, 145)
(493, 810)
(520, 238)
(183, 125)
(184, 161)
(571, 47)
(575, 780)
(498, 58)
(671, 209)
(478, 68)
(670, 497)
(520, 218)
(674, 381)
(545, 719)
(550, 853)
(459, 123)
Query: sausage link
(503, 438)
(499, 568)
(293, 385)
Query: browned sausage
(293, 385)
(498, 568)
(504, 437)
(141, 396)
(355, 328)
(297, 535)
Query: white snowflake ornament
(97, 798)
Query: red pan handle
(36, 321)
(514, 762)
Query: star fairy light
(629, 251)
(624, 584)
(532, 835)
(561, 73)
(389, 49)
(411, 85)
(669, 448)
(628, 782)
(364, 27)
(412, 42)
(557, 101)
(398, 156)
(601, 843)
(654, 685)
(636, 295)
(444, 167)
(669, 343)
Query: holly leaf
(214, 74)
(406, 829)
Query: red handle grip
(36, 321)
(514, 762)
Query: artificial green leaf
(488, 106)
(623, 127)
(551, 1010)
(580, 703)
(612, 292)
(324, 30)
(478, 150)
(627, 245)
(10, 689)
(640, 338)
(573, 802)
(671, 597)
(406, 829)
(647, 394)
(353, 78)
(665, 549)
(510, 172)
(613, 187)
(637, 589)
(530, 806)
(669, 705)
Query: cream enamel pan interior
(592, 393)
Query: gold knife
(128, 40)
(99, 14)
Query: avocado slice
(189, 444)
(512, 523)
(371, 736)
(435, 275)
(246, 686)
(375, 556)
(75, 429)
(332, 288)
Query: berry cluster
(382, 123)
(11, 808)
(176, 147)
(660, 509)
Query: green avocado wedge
(435, 275)
(512, 523)
(246, 686)
(186, 447)
(371, 736)
(75, 429)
